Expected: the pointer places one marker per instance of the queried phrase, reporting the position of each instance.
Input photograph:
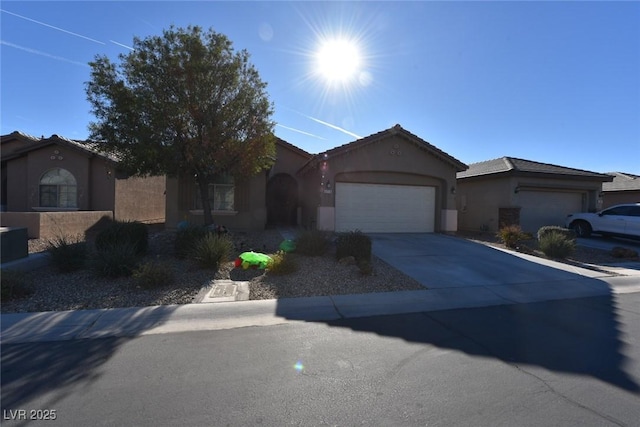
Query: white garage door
(539, 208)
(381, 208)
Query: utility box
(13, 243)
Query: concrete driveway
(608, 243)
(439, 261)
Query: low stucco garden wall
(47, 225)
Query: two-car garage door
(383, 208)
(539, 208)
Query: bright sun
(338, 60)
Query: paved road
(566, 362)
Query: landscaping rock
(348, 260)
(620, 252)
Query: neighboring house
(56, 174)
(625, 188)
(268, 198)
(508, 190)
(391, 181)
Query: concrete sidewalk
(131, 322)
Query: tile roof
(92, 148)
(393, 131)
(293, 148)
(515, 165)
(622, 182)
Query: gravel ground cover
(315, 276)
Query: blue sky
(555, 82)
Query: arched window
(58, 189)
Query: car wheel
(581, 228)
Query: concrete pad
(46, 326)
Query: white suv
(619, 220)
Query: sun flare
(338, 60)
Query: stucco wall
(102, 186)
(393, 160)
(479, 199)
(17, 184)
(140, 198)
(49, 225)
(478, 203)
(610, 198)
(249, 201)
(54, 156)
(396, 154)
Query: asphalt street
(563, 362)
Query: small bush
(211, 250)
(153, 274)
(124, 232)
(283, 263)
(67, 254)
(620, 252)
(511, 235)
(187, 239)
(569, 234)
(355, 244)
(556, 244)
(366, 269)
(115, 260)
(312, 243)
(14, 285)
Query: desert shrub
(365, 267)
(620, 252)
(187, 238)
(355, 244)
(153, 274)
(14, 285)
(282, 263)
(569, 234)
(67, 253)
(312, 242)
(124, 232)
(211, 250)
(556, 244)
(115, 260)
(511, 235)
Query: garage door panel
(384, 208)
(540, 208)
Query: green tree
(184, 103)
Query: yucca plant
(67, 253)
(211, 250)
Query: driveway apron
(440, 261)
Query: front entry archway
(282, 200)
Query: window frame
(221, 181)
(65, 193)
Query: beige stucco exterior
(395, 158)
(99, 187)
(481, 199)
(611, 198)
(250, 194)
